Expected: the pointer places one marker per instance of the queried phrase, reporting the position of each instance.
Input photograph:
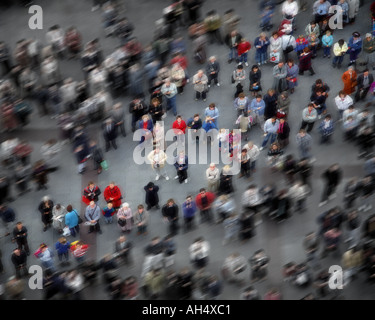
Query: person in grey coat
(304, 143)
(279, 77)
(118, 116)
(92, 215)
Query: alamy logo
(36, 20)
(336, 280)
(222, 150)
(335, 22)
(36, 280)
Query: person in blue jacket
(189, 208)
(63, 247)
(355, 47)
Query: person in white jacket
(289, 9)
(199, 251)
(343, 101)
(253, 153)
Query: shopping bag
(66, 232)
(275, 57)
(104, 164)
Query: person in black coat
(283, 205)
(19, 260)
(109, 133)
(283, 133)
(80, 148)
(270, 100)
(332, 177)
(170, 215)
(19, 235)
(212, 71)
(137, 108)
(152, 197)
(181, 164)
(364, 82)
(97, 156)
(4, 189)
(255, 76)
(185, 284)
(8, 216)
(226, 181)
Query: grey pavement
(282, 242)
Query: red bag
(280, 114)
(85, 200)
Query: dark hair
(69, 208)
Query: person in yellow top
(339, 50)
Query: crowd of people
(153, 77)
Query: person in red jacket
(204, 201)
(179, 127)
(243, 50)
(112, 193)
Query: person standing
(152, 197)
(108, 212)
(157, 158)
(355, 47)
(304, 143)
(311, 244)
(232, 40)
(45, 208)
(332, 177)
(270, 131)
(326, 128)
(212, 71)
(253, 152)
(181, 164)
(109, 133)
(7, 216)
(243, 49)
(283, 133)
(343, 101)
(305, 62)
(200, 82)
(62, 247)
(92, 215)
(169, 90)
(204, 201)
(213, 177)
(309, 116)
(339, 50)
(261, 44)
(137, 108)
(91, 193)
(112, 193)
(170, 215)
(118, 116)
(141, 219)
(279, 77)
(20, 233)
(72, 220)
(199, 252)
(369, 50)
(189, 209)
(125, 218)
(364, 82)
(19, 260)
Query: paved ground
(282, 242)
